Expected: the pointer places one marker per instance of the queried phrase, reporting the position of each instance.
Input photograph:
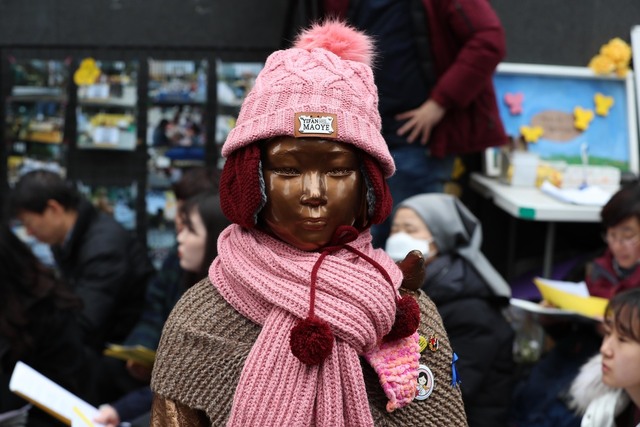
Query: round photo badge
(426, 382)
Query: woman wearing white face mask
(469, 294)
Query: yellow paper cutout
(531, 134)
(582, 118)
(603, 104)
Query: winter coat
(480, 335)
(469, 43)
(598, 404)
(603, 281)
(109, 269)
(163, 293)
(57, 353)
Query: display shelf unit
(35, 107)
(178, 126)
(103, 130)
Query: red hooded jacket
(467, 43)
(604, 282)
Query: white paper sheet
(576, 288)
(589, 196)
(41, 391)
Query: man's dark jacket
(109, 269)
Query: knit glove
(396, 363)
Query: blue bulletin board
(561, 111)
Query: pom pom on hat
(341, 39)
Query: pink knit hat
(322, 87)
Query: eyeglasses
(630, 240)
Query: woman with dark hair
(607, 390)
(201, 221)
(38, 325)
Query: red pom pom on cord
(311, 340)
(407, 319)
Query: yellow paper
(138, 354)
(85, 420)
(587, 306)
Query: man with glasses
(617, 269)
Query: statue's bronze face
(313, 186)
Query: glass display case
(35, 116)
(107, 104)
(176, 140)
(234, 81)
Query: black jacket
(109, 269)
(480, 335)
(57, 352)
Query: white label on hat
(316, 124)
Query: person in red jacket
(618, 268)
(434, 77)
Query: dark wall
(141, 23)
(563, 32)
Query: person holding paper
(172, 280)
(540, 397)
(606, 392)
(618, 268)
(37, 325)
(470, 296)
(201, 221)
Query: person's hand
(547, 321)
(412, 267)
(107, 415)
(421, 121)
(547, 304)
(138, 371)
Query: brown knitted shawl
(205, 343)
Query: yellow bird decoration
(603, 104)
(531, 133)
(582, 118)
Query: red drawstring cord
(311, 339)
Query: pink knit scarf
(267, 281)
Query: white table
(534, 205)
